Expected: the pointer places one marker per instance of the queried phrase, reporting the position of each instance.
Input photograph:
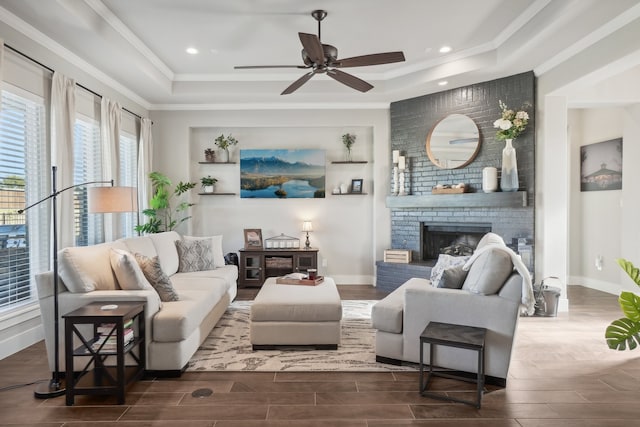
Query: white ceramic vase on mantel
(509, 177)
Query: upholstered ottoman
(293, 315)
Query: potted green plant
(207, 183)
(210, 155)
(626, 330)
(348, 140)
(224, 143)
(162, 216)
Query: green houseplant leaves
(161, 216)
(625, 332)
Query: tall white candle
(396, 154)
(401, 164)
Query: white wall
(351, 232)
(604, 223)
(561, 86)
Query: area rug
(227, 348)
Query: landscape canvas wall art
(601, 166)
(282, 174)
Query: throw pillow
(127, 270)
(445, 261)
(87, 268)
(453, 277)
(216, 248)
(158, 278)
(488, 272)
(194, 255)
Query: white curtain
(110, 118)
(63, 107)
(145, 157)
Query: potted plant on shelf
(348, 140)
(208, 183)
(224, 143)
(210, 155)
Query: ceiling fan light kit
(323, 58)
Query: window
(24, 241)
(87, 158)
(128, 157)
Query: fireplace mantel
(516, 199)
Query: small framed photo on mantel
(252, 238)
(356, 186)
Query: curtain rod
(35, 61)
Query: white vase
(489, 179)
(509, 178)
(224, 156)
(208, 188)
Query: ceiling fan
(323, 58)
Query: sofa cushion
(156, 276)
(453, 277)
(445, 261)
(127, 270)
(216, 248)
(488, 272)
(194, 255)
(178, 319)
(87, 268)
(140, 245)
(166, 249)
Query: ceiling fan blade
(349, 80)
(252, 67)
(296, 85)
(313, 47)
(373, 59)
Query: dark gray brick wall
(411, 121)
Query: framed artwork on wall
(282, 174)
(356, 186)
(601, 166)
(252, 238)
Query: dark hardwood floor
(562, 374)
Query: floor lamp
(100, 200)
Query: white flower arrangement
(512, 123)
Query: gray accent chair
(489, 298)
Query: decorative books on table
(107, 339)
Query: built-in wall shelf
(217, 163)
(361, 162)
(217, 194)
(516, 199)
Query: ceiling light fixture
(442, 83)
(445, 49)
(192, 51)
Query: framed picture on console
(356, 186)
(252, 238)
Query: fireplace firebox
(450, 238)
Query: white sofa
(400, 318)
(174, 329)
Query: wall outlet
(324, 262)
(599, 262)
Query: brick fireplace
(411, 121)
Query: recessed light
(442, 83)
(192, 51)
(445, 49)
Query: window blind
(128, 158)
(87, 166)
(23, 237)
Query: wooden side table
(98, 377)
(446, 334)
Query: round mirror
(453, 142)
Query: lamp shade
(112, 199)
(307, 226)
